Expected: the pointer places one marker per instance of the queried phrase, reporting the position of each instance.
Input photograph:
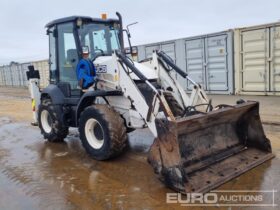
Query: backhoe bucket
(200, 152)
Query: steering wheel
(98, 54)
(97, 49)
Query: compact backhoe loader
(96, 87)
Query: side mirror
(131, 50)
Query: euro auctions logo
(218, 198)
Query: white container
(257, 60)
(2, 79)
(43, 67)
(208, 59)
(15, 77)
(168, 47)
(8, 76)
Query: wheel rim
(46, 121)
(94, 133)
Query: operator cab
(67, 39)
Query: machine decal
(101, 69)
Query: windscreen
(99, 38)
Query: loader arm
(148, 112)
(164, 65)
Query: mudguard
(88, 98)
(54, 93)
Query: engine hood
(145, 70)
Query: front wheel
(102, 132)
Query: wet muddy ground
(35, 174)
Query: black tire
(57, 131)
(173, 104)
(113, 139)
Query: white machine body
(112, 75)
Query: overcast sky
(23, 36)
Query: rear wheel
(50, 120)
(102, 132)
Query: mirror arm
(128, 38)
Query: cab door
(67, 55)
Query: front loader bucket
(200, 152)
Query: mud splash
(35, 174)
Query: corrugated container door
(8, 76)
(4, 76)
(216, 63)
(195, 61)
(1, 77)
(21, 74)
(17, 75)
(275, 58)
(149, 50)
(14, 75)
(169, 49)
(255, 52)
(12, 70)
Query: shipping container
(15, 74)
(208, 59)
(146, 51)
(2, 79)
(3, 76)
(43, 67)
(8, 76)
(14, 69)
(257, 60)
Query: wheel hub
(46, 121)
(94, 133)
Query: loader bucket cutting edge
(201, 152)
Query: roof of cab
(74, 18)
